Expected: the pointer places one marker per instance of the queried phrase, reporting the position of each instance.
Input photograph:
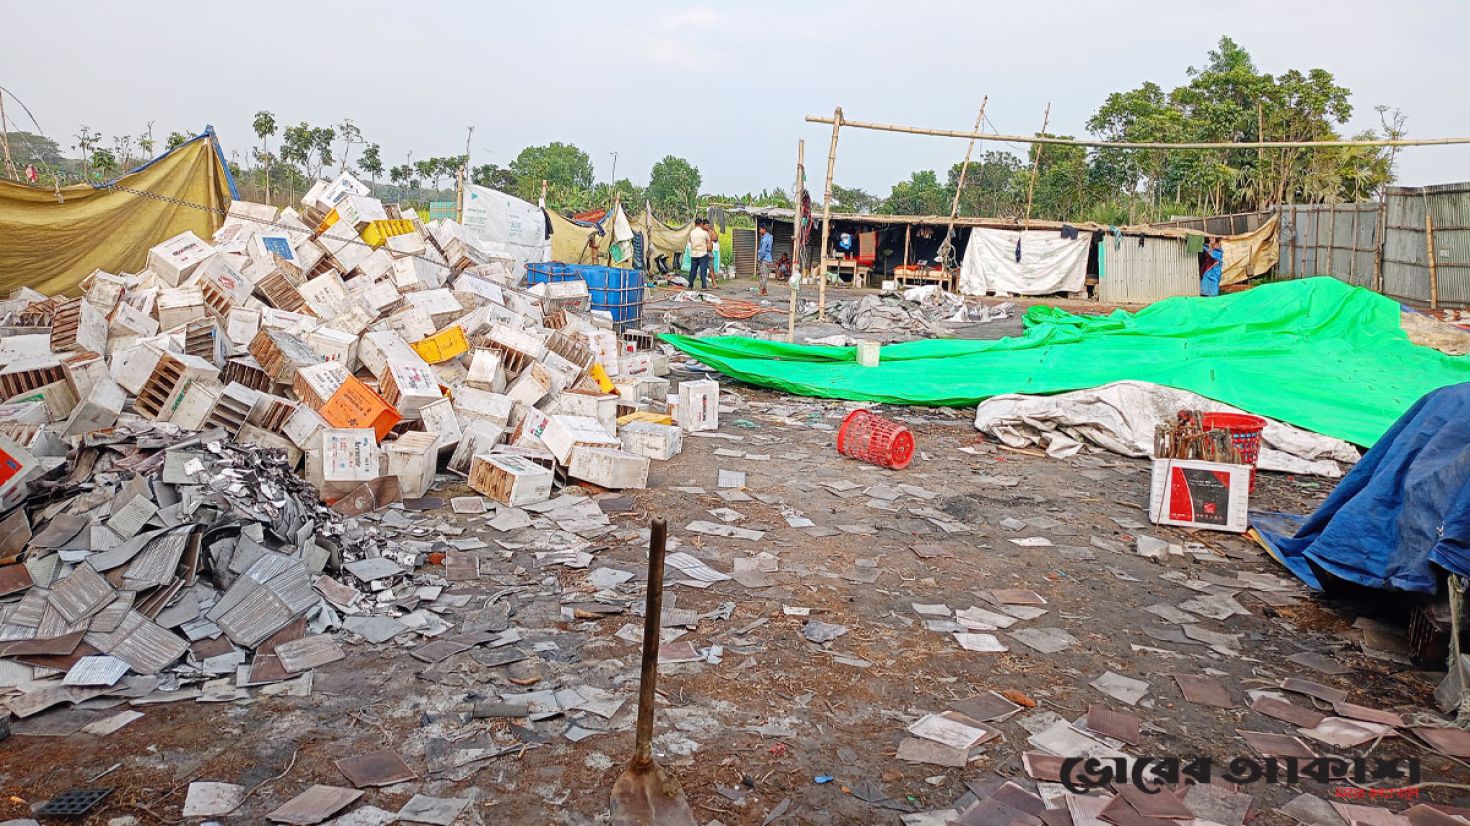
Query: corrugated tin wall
(1340, 240)
(1159, 269)
(1237, 223)
(1360, 245)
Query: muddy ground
(751, 735)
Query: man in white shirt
(700, 241)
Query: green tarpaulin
(1317, 353)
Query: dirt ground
(754, 734)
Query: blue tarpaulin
(1403, 509)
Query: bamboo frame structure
(1036, 167)
(946, 248)
(954, 133)
(826, 219)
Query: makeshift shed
(1130, 272)
(52, 238)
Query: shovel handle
(653, 610)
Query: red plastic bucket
(1245, 434)
(875, 440)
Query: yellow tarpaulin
(572, 243)
(1251, 254)
(51, 246)
(662, 238)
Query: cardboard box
(355, 405)
(609, 467)
(179, 306)
(357, 211)
(413, 458)
(510, 480)
(303, 427)
(78, 325)
(378, 347)
(164, 388)
(655, 441)
(442, 346)
(600, 406)
(266, 244)
(325, 295)
(699, 405)
(471, 404)
(533, 384)
(475, 438)
(1193, 494)
(343, 459)
(232, 408)
(192, 411)
(486, 371)
(440, 419)
(562, 433)
(174, 260)
(641, 388)
(334, 345)
(411, 324)
(408, 386)
(251, 435)
(316, 383)
(604, 347)
(16, 466)
(440, 305)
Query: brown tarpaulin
(51, 246)
(1251, 254)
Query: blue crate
(613, 289)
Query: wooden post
(1331, 236)
(908, 232)
(1035, 167)
(542, 202)
(1433, 264)
(827, 219)
(1353, 267)
(794, 281)
(1380, 242)
(1296, 231)
(946, 247)
(459, 196)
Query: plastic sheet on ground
(1315, 353)
(1404, 509)
(1121, 417)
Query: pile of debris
(921, 310)
(172, 438)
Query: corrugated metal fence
(1386, 247)
(1138, 274)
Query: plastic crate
(613, 289)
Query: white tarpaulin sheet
(1121, 417)
(505, 227)
(1049, 263)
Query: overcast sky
(725, 85)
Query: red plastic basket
(875, 440)
(1245, 434)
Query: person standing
(699, 252)
(1209, 283)
(763, 257)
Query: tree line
(1225, 99)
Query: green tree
(86, 140)
(566, 169)
(104, 161)
(264, 125)
(371, 162)
(494, 177)
(990, 185)
(921, 194)
(175, 140)
(853, 199)
(673, 187)
(351, 136)
(29, 148)
(428, 169)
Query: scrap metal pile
(172, 440)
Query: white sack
(1121, 418)
(505, 227)
(1049, 263)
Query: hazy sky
(725, 85)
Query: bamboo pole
(1035, 167)
(794, 280)
(908, 232)
(946, 249)
(826, 218)
(952, 133)
(1380, 242)
(1433, 264)
(1296, 230)
(5, 140)
(1353, 266)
